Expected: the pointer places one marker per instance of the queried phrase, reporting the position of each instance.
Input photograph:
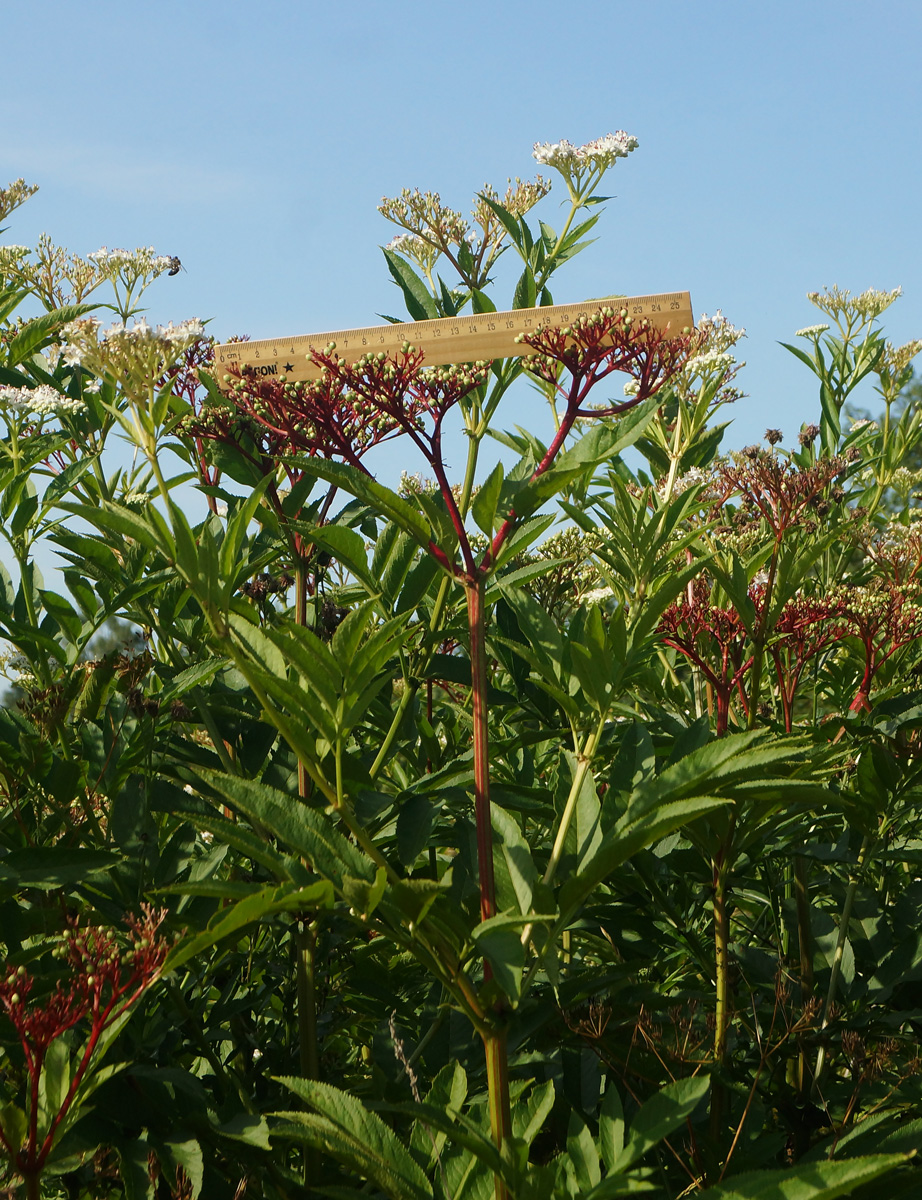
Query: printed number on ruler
(445, 339)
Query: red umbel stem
(494, 1039)
(475, 616)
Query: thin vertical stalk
(301, 619)
(721, 868)
(721, 960)
(494, 1039)
(475, 616)
(805, 944)
(837, 958)
(494, 1044)
(305, 946)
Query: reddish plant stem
(475, 616)
(494, 1039)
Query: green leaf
(661, 1115)
(582, 1152)
(506, 218)
(133, 1168)
(611, 1127)
(502, 947)
(47, 867)
(231, 920)
(481, 302)
(526, 295)
(420, 304)
(303, 829)
(372, 493)
(14, 1123)
(414, 825)
(245, 1127)
(484, 504)
(355, 1137)
(807, 1181)
(188, 1156)
(516, 858)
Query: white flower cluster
(597, 595)
(903, 479)
(135, 498)
(811, 331)
(143, 261)
(11, 660)
(83, 336)
(175, 337)
(632, 387)
(599, 154)
(42, 401)
(712, 362)
(696, 477)
(416, 248)
(721, 333)
(864, 423)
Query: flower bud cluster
(15, 194)
(519, 198)
(424, 214)
(780, 492)
(105, 979)
(343, 413)
(56, 276)
(593, 346)
(841, 305)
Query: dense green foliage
(546, 832)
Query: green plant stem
(721, 867)
(804, 925)
(305, 945)
(494, 1044)
(805, 945)
(584, 762)
(837, 958)
(721, 957)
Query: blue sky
(779, 152)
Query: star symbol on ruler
(289, 366)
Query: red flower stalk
(595, 347)
(399, 394)
(779, 491)
(106, 980)
(884, 617)
(715, 640)
(804, 628)
(590, 350)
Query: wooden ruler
(445, 340)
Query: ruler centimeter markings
(443, 340)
